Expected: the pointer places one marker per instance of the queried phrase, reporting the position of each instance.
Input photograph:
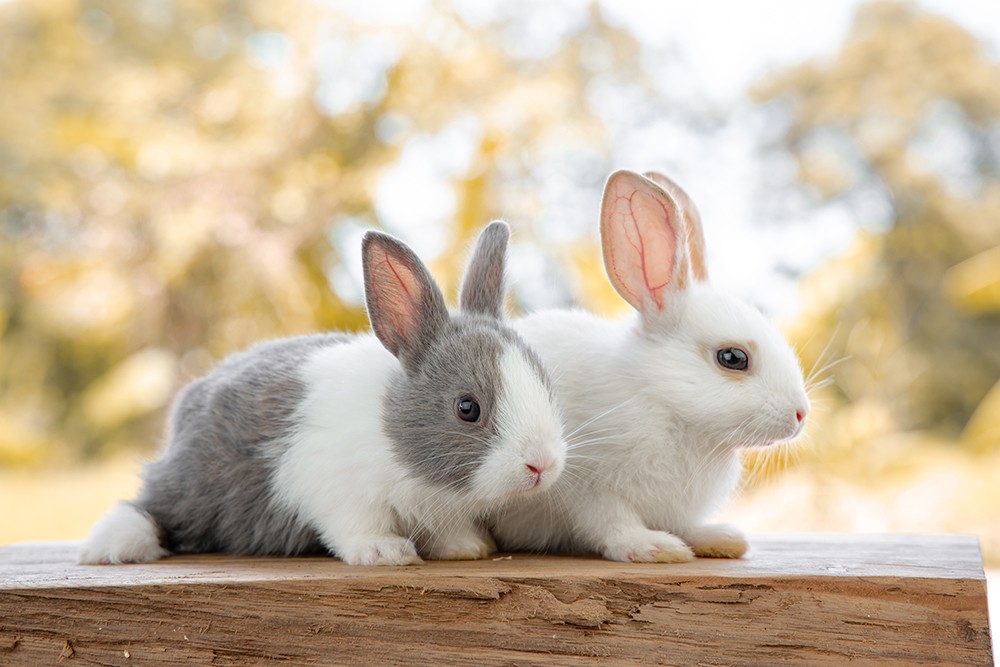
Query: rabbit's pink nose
(537, 471)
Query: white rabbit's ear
(405, 305)
(642, 235)
(483, 286)
(692, 220)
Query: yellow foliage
(23, 438)
(975, 283)
(173, 177)
(141, 383)
(593, 283)
(982, 433)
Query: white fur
(530, 434)
(653, 423)
(339, 473)
(123, 535)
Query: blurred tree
(903, 126)
(180, 179)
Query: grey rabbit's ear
(483, 286)
(405, 306)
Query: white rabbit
(371, 447)
(657, 406)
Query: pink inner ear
(640, 245)
(397, 297)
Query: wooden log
(816, 599)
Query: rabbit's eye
(733, 358)
(468, 410)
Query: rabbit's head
(472, 410)
(713, 362)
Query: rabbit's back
(211, 490)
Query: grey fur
(404, 321)
(483, 288)
(211, 490)
(464, 361)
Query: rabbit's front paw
(381, 550)
(470, 546)
(717, 541)
(647, 546)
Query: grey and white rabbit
(656, 406)
(376, 448)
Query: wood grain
(815, 599)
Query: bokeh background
(181, 178)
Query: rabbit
(656, 406)
(377, 448)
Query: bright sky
(731, 44)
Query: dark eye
(733, 358)
(468, 410)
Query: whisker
(826, 348)
(600, 416)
